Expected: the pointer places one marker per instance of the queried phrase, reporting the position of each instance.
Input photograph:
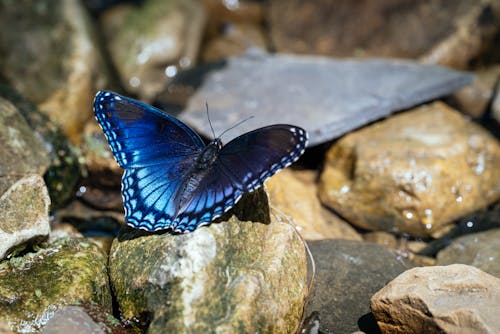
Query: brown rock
(49, 55)
(382, 238)
(151, 42)
(450, 299)
(446, 32)
(475, 98)
(414, 173)
(294, 194)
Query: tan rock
(413, 173)
(450, 299)
(382, 238)
(294, 193)
(475, 98)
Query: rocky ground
(396, 198)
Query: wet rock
(83, 319)
(64, 170)
(449, 33)
(232, 29)
(414, 173)
(233, 276)
(348, 273)
(475, 99)
(481, 250)
(294, 194)
(35, 41)
(326, 97)
(24, 213)
(151, 42)
(64, 272)
(449, 299)
(24, 200)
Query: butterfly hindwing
(243, 165)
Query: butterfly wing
(243, 165)
(156, 151)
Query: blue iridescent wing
(156, 151)
(243, 165)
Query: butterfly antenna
(209, 122)
(240, 122)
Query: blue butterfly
(172, 180)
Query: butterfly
(171, 179)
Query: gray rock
(481, 250)
(88, 318)
(24, 200)
(348, 273)
(48, 55)
(448, 299)
(326, 97)
(62, 272)
(232, 276)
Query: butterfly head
(209, 154)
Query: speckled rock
(63, 272)
(151, 42)
(448, 299)
(348, 273)
(34, 42)
(233, 276)
(413, 173)
(294, 194)
(24, 214)
(481, 250)
(24, 200)
(447, 32)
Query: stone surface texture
(348, 273)
(413, 173)
(442, 299)
(481, 250)
(294, 194)
(64, 271)
(233, 276)
(326, 97)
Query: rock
(449, 33)
(232, 28)
(151, 42)
(382, 238)
(82, 319)
(449, 299)
(233, 276)
(64, 272)
(475, 99)
(326, 97)
(64, 170)
(35, 41)
(413, 173)
(24, 214)
(481, 250)
(348, 273)
(294, 194)
(495, 105)
(24, 201)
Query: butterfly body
(172, 180)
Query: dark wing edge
(243, 165)
(140, 135)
